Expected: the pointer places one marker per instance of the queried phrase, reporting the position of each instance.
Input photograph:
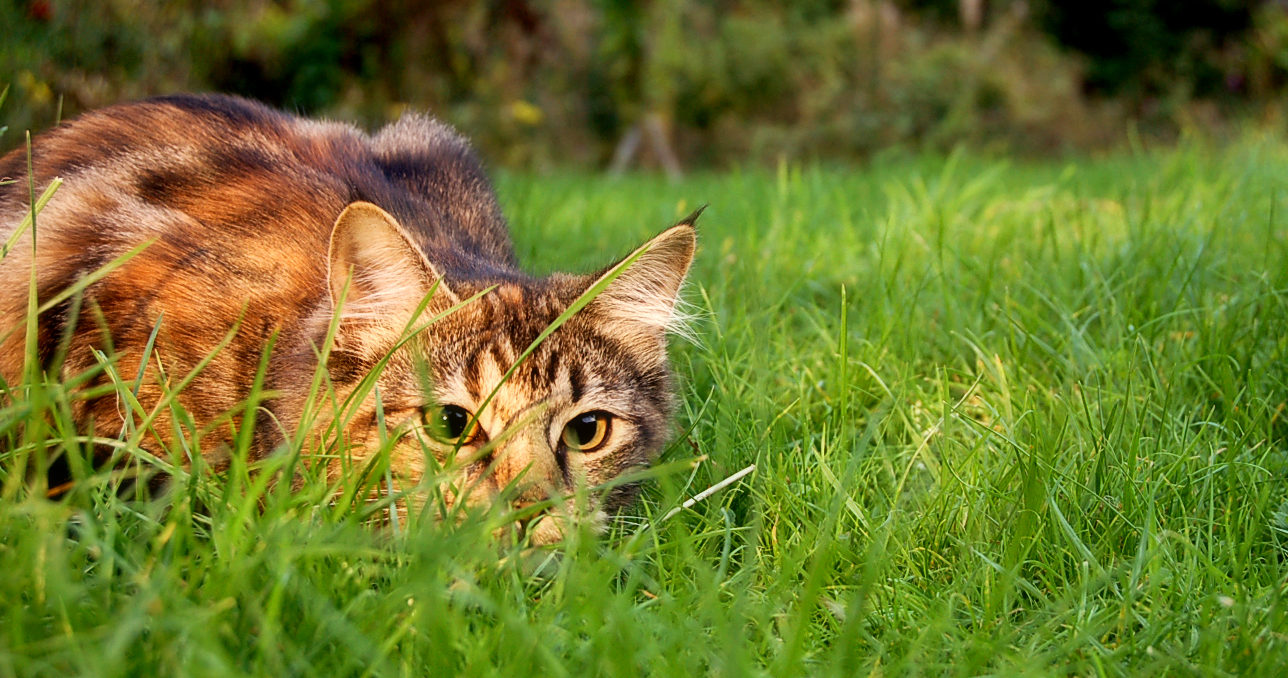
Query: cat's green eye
(587, 432)
(451, 424)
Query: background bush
(544, 82)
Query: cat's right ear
(374, 272)
(640, 302)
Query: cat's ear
(642, 299)
(374, 272)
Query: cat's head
(591, 402)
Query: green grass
(1007, 420)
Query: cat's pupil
(584, 428)
(454, 420)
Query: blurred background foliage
(547, 83)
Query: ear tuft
(692, 219)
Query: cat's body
(264, 222)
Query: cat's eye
(451, 424)
(587, 432)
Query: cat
(258, 227)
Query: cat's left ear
(643, 296)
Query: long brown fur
(273, 225)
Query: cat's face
(590, 403)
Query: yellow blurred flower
(525, 113)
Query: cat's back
(232, 168)
(233, 204)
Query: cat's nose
(539, 527)
(528, 517)
(526, 513)
(527, 459)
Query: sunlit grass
(1007, 419)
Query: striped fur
(274, 224)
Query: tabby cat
(264, 228)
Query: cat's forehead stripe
(576, 381)
(471, 373)
(552, 368)
(576, 360)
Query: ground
(1007, 419)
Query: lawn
(1007, 418)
